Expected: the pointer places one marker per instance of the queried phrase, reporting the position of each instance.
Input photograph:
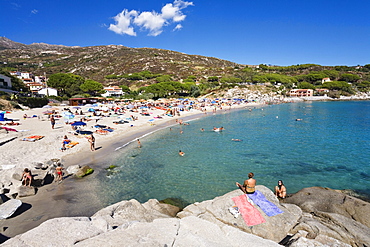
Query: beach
(72, 197)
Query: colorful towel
(249, 213)
(71, 144)
(32, 138)
(268, 207)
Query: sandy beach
(72, 197)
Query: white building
(5, 81)
(48, 91)
(112, 91)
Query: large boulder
(84, 171)
(320, 199)
(42, 177)
(275, 228)
(73, 169)
(189, 231)
(24, 191)
(125, 213)
(57, 232)
(9, 207)
(329, 213)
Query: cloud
(34, 11)
(178, 27)
(150, 21)
(123, 22)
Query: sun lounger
(32, 138)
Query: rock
(57, 232)
(17, 175)
(24, 191)
(275, 228)
(42, 177)
(72, 169)
(332, 214)
(84, 171)
(327, 200)
(9, 207)
(125, 212)
(3, 198)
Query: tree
(337, 85)
(125, 89)
(163, 78)
(351, 78)
(92, 87)
(66, 84)
(305, 85)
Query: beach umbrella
(130, 106)
(76, 107)
(46, 106)
(47, 112)
(68, 115)
(79, 123)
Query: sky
(273, 32)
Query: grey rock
(190, 231)
(275, 228)
(84, 171)
(42, 177)
(327, 214)
(17, 175)
(331, 201)
(9, 207)
(73, 169)
(24, 191)
(124, 213)
(56, 232)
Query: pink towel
(249, 213)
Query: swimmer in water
(181, 153)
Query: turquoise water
(329, 148)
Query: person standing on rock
(59, 172)
(249, 185)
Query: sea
(304, 144)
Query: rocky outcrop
(332, 214)
(216, 211)
(325, 219)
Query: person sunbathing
(12, 123)
(249, 186)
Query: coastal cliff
(312, 217)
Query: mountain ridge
(96, 62)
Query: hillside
(96, 62)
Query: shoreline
(76, 197)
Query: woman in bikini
(280, 190)
(249, 186)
